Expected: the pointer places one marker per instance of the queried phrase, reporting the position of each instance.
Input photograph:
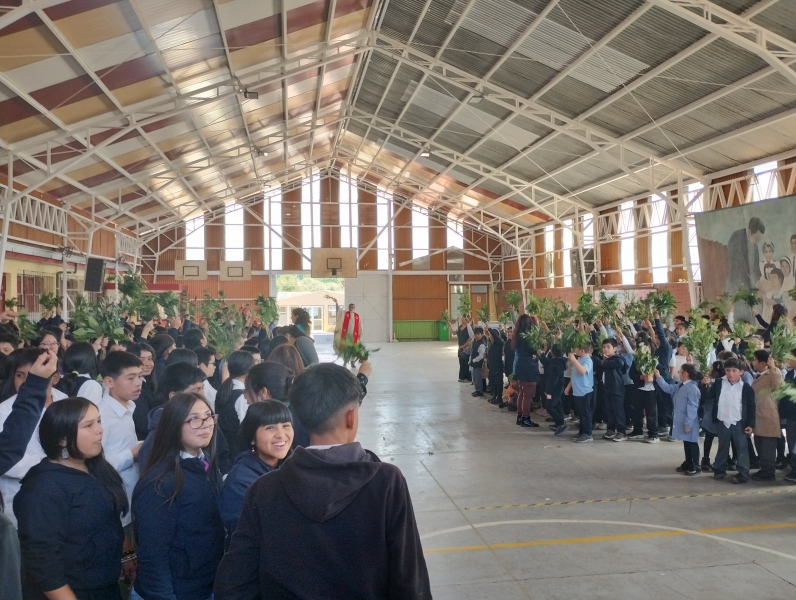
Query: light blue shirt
(583, 384)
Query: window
(627, 228)
(316, 314)
(384, 208)
(659, 242)
(195, 239)
(349, 213)
(273, 231)
(233, 232)
(764, 182)
(420, 241)
(549, 247)
(568, 243)
(283, 316)
(455, 234)
(310, 216)
(331, 317)
(30, 286)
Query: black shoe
(493, 400)
(526, 422)
(683, 467)
(477, 394)
(503, 405)
(693, 471)
(760, 476)
(738, 479)
(705, 466)
(519, 419)
(718, 476)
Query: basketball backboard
(334, 262)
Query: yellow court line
(606, 538)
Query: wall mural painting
(750, 246)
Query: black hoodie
(332, 523)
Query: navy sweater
(69, 532)
(180, 542)
(22, 422)
(614, 369)
(246, 470)
(554, 368)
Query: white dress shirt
(118, 440)
(730, 399)
(241, 404)
(210, 395)
(90, 390)
(34, 453)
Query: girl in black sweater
(175, 505)
(230, 402)
(69, 510)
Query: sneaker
(653, 440)
(477, 394)
(600, 427)
(718, 476)
(636, 436)
(503, 405)
(738, 479)
(619, 437)
(693, 471)
(683, 467)
(705, 466)
(527, 422)
(582, 439)
(575, 421)
(663, 432)
(561, 430)
(760, 476)
(791, 477)
(609, 435)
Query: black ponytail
(238, 365)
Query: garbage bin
(444, 332)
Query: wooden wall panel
(539, 279)
(254, 235)
(33, 235)
(403, 236)
(558, 257)
(214, 244)
(677, 274)
(438, 240)
(366, 207)
(104, 244)
(419, 297)
(237, 291)
(176, 239)
(291, 230)
(330, 213)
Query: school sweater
(180, 543)
(613, 370)
(69, 532)
(478, 353)
(554, 368)
(345, 529)
(494, 357)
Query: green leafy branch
(355, 352)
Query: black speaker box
(95, 275)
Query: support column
(4, 240)
(254, 236)
(330, 213)
(291, 230)
(366, 207)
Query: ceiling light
(425, 153)
(250, 95)
(475, 99)
(262, 152)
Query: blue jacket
(70, 532)
(180, 542)
(246, 470)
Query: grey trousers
(733, 434)
(767, 452)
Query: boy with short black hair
(207, 362)
(477, 357)
(613, 368)
(734, 415)
(121, 374)
(582, 386)
(333, 506)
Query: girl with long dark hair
(272, 381)
(175, 505)
(526, 371)
(287, 356)
(80, 368)
(778, 311)
(231, 404)
(304, 344)
(301, 319)
(267, 431)
(69, 510)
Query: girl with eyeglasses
(175, 505)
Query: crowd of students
(136, 467)
(597, 386)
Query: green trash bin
(444, 332)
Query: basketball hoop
(333, 264)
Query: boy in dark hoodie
(613, 368)
(342, 521)
(554, 366)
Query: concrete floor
(514, 513)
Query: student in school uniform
(768, 429)
(685, 424)
(613, 368)
(494, 361)
(734, 414)
(582, 385)
(554, 365)
(148, 398)
(81, 368)
(231, 404)
(477, 360)
(206, 358)
(707, 402)
(121, 374)
(788, 411)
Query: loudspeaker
(95, 275)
